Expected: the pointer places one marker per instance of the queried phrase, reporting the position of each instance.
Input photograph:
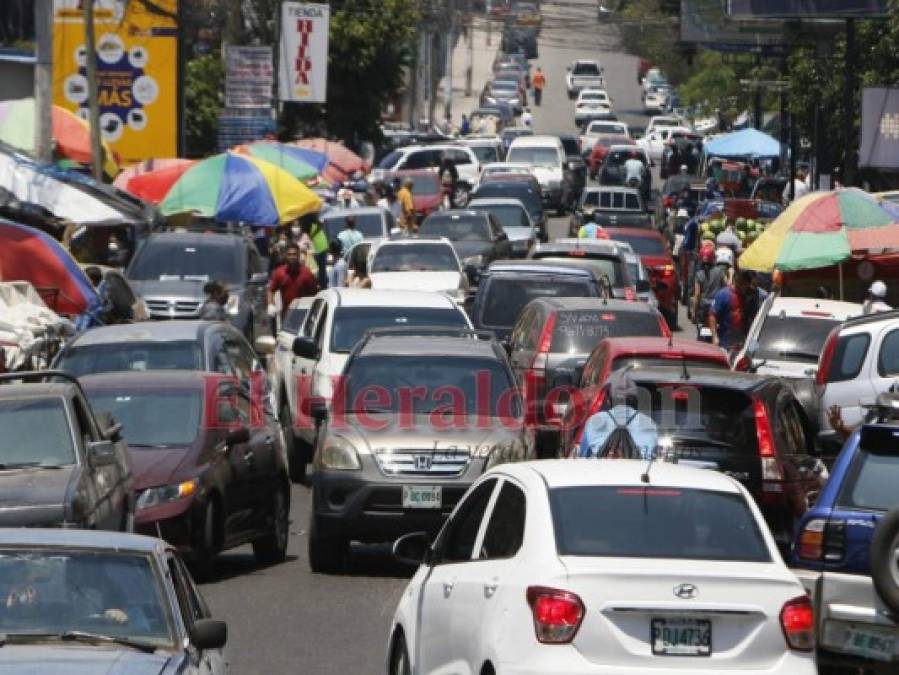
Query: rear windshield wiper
(799, 354)
(681, 439)
(28, 465)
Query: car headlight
(474, 261)
(167, 493)
(232, 307)
(338, 454)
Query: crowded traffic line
(611, 398)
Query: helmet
(878, 289)
(724, 256)
(707, 252)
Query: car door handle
(490, 589)
(448, 588)
(249, 456)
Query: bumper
(367, 506)
(171, 522)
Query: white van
(547, 156)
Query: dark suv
(170, 269)
(552, 340)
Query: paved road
(283, 619)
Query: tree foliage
(204, 85)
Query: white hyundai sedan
(598, 567)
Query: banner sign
(806, 8)
(706, 22)
(879, 147)
(303, 69)
(137, 72)
(237, 127)
(249, 75)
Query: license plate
(869, 641)
(681, 637)
(422, 497)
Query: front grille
(173, 307)
(425, 462)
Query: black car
(612, 170)
(575, 169)
(476, 235)
(205, 481)
(507, 286)
(751, 427)
(170, 269)
(60, 464)
(605, 257)
(524, 192)
(550, 344)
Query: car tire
(272, 548)
(885, 561)
(205, 550)
(326, 554)
(296, 461)
(399, 657)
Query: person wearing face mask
(292, 280)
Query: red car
(656, 256)
(614, 353)
(601, 149)
(427, 191)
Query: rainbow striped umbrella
(290, 159)
(822, 229)
(231, 187)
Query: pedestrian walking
(449, 178)
(338, 273)
(464, 126)
(404, 196)
(319, 241)
(213, 309)
(538, 82)
(290, 280)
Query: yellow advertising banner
(137, 72)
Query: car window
(198, 606)
(650, 522)
(789, 427)
(139, 410)
(390, 160)
(458, 537)
(189, 611)
(460, 157)
(888, 361)
(617, 200)
(605, 200)
(505, 529)
(294, 319)
(795, 338)
(871, 482)
(522, 335)
(254, 265)
(85, 422)
(172, 260)
(107, 358)
(631, 201)
(505, 297)
(241, 363)
(849, 357)
(35, 430)
(416, 160)
(579, 331)
(419, 257)
(312, 318)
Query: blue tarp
(749, 142)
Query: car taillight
(666, 271)
(811, 541)
(536, 374)
(797, 619)
(827, 353)
(763, 428)
(772, 471)
(557, 614)
(546, 339)
(630, 293)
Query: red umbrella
(342, 162)
(148, 165)
(153, 186)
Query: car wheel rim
(894, 561)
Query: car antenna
(683, 359)
(644, 477)
(670, 339)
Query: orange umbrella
(342, 162)
(148, 165)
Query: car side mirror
(259, 279)
(643, 286)
(305, 348)
(265, 345)
(101, 453)
(413, 549)
(209, 634)
(237, 437)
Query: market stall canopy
(27, 254)
(745, 143)
(148, 165)
(71, 134)
(66, 194)
(822, 229)
(241, 189)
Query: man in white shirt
(874, 303)
(801, 186)
(527, 119)
(633, 171)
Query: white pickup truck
(583, 75)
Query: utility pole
(850, 87)
(448, 102)
(43, 82)
(92, 91)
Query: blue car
(846, 551)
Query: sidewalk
(477, 51)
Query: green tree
(204, 84)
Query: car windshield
(51, 592)
(585, 69)
(655, 522)
(446, 385)
(170, 260)
(293, 319)
(456, 228)
(351, 323)
(415, 258)
(593, 96)
(139, 412)
(793, 338)
(642, 245)
(602, 267)
(371, 225)
(390, 160)
(606, 128)
(505, 297)
(424, 183)
(543, 157)
(36, 431)
(508, 215)
(519, 190)
(107, 358)
(871, 482)
(486, 153)
(579, 331)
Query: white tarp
(27, 325)
(303, 64)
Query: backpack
(620, 444)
